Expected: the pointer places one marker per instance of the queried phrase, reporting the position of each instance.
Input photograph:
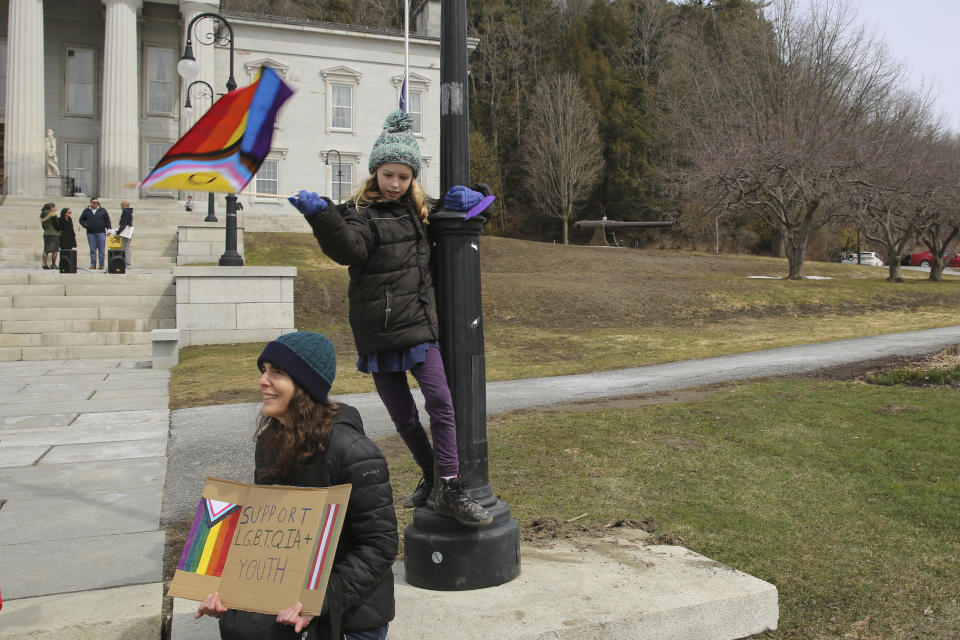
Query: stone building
(102, 74)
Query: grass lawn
(844, 495)
(554, 309)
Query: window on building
(341, 106)
(155, 152)
(268, 177)
(161, 77)
(341, 181)
(415, 109)
(80, 79)
(80, 166)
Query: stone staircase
(46, 315)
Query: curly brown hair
(310, 425)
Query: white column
(120, 125)
(23, 158)
(202, 34)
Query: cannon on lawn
(605, 230)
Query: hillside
(553, 309)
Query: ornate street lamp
(439, 553)
(326, 161)
(188, 68)
(205, 91)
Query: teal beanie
(307, 357)
(396, 143)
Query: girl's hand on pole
(461, 198)
(211, 606)
(291, 615)
(309, 203)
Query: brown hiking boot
(420, 495)
(453, 501)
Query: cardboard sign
(262, 547)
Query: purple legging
(394, 390)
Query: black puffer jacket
(362, 571)
(385, 244)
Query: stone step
(8, 354)
(119, 613)
(74, 339)
(54, 277)
(78, 326)
(30, 313)
(160, 263)
(65, 302)
(112, 288)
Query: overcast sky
(924, 35)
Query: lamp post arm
(231, 82)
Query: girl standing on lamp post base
(380, 234)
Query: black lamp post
(326, 161)
(188, 68)
(205, 90)
(439, 552)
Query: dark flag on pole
(403, 95)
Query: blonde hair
(124, 204)
(369, 192)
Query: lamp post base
(443, 555)
(230, 257)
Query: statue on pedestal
(50, 147)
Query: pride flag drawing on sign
(205, 551)
(225, 148)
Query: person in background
(96, 221)
(126, 222)
(188, 205)
(380, 233)
(51, 234)
(68, 237)
(304, 439)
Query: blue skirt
(395, 359)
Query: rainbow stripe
(327, 535)
(226, 147)
(208, 542)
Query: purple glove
(461, 199)
(308, 203)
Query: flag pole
(406, 54)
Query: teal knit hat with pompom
(307, 357)
(396, 143)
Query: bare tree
(773, 111)
(561, 148)
(941, 221)
(891, 193)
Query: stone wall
(226, 305)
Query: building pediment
(340, 72)
(253, 67)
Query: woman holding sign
(304, 439)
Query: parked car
(925, 259)
(866, 257)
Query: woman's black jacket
(362, 572)
(126, 219)
(68, 237)
(385, 244)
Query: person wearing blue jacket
(96, 221)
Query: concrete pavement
(82, 464)
(84, 451)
